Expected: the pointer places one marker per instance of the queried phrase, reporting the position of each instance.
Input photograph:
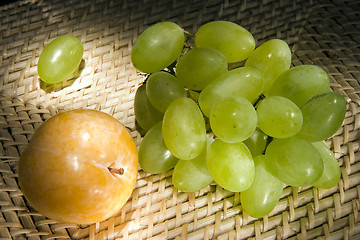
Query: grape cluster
(215, 108)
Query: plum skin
(67, 170)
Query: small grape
(60, 59)
(199, 66)
(257, 142)
(233, 119)
(323, 115)
(332, 172)
(145, 113)
(154, 157)
(300, 83)
(294, 161)
(279, 117)
(234, 41)
(230, 165)
(162, 88)
(264, 193)
(158, 47)
(272, 58)
(184, 129)
(244, 82)
(192, 175)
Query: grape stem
(261, 97)
(268, 141)
(117, 171)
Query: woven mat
(324, 33)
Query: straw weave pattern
(324, 33)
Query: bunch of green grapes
(253, 129)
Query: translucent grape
(158, 47)
(323, 115)
(233, 119)
(145, 113)
(244, 82)
(234, 41)
(162, 88)
(279, 117)
(192, 175)
(332, 172)
(264, 193)
(184, 129)
(154, 157)
(256, 143)
(300, 83)
(272, 58)
(60, 59)
(196, 68)
(294, 161)
(230, 165)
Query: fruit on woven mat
(267, 118)
(234, 41)
(60, 59)
(163, 42)
(264, 192)
(199, 66)
(80, 167)
(193, 175)
(183, 129)
(279, 117)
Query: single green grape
(183, 129)
(230, 165)
(323, 115)
(145, 113)
(272, 58)
(60, 59)
(256, 143)
(294, 161)
(264, 193)
(199, 66)
(158, 47)
(192, 175)
(279, 117)
(162, 88)
(233, 119)
(234, 41)
(332, 172)
(154, 157)
(244, 82)
(300, 83)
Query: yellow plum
(79, 167)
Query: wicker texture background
(324, 33)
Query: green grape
(233, 119)
(332, 172)
(158, 47)
(279, 117)
(60, 59)
(294, 161)
(183, 129)
(192, 175)
(256, 143)
(244, 82)
(323, 115)
(196, 68)
(234, 41)
(230, 165)
(264, 193)
(145, 113)
(272, 58)
(162, 88)
(154, 157)
(300, 83)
